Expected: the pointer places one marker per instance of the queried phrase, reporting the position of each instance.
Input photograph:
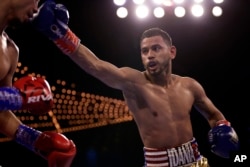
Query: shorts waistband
(184, 154)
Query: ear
(173, 51)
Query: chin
(15, 23)
(153, 73)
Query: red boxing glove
(36, 94)
(56, 148)
(52, 146)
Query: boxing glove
(56, 148)
(223, 139)
(30, 93)
(52, 20)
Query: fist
(223, 140)
(56, 148)
(36, 94)
(52, 20)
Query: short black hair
(157, 32)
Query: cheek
(167, 55)
(143, 59)
(22, 8)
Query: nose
(151, 55)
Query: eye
(156, 48)
(144, 51)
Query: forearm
(106, 72)
(85, 59)
(214, 118)
(8, 123)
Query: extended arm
(52, 21)
(108, 73)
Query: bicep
(205, 106)
(104, 71)
(111, 75)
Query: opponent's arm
(56, 148)
(222, 137)
(30, 93)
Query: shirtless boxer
(159, 100)
(54, 147)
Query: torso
(8, 60)
(162, 114)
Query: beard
(161, 68)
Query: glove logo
(56, 30)
(35, 99)
(36, 94)
(36, 91)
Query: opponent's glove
(29, 93)
(52, 20)
(56, 148)
(223, 139)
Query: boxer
(28, 93)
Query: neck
(163, 79)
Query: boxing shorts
(185, 155)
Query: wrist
(10, 99)
(68, 43)
(222, 122)
(27, 136)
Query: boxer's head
(21, 11)
(157, 32)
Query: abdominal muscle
(159, 132)
(162, 115)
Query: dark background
(214, 51)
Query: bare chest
(176, 100)
(8, 59)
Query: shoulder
(189, 83)
(131, 72)
(9, 41)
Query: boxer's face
(23, 10)
(156, 54)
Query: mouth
(152, 65)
